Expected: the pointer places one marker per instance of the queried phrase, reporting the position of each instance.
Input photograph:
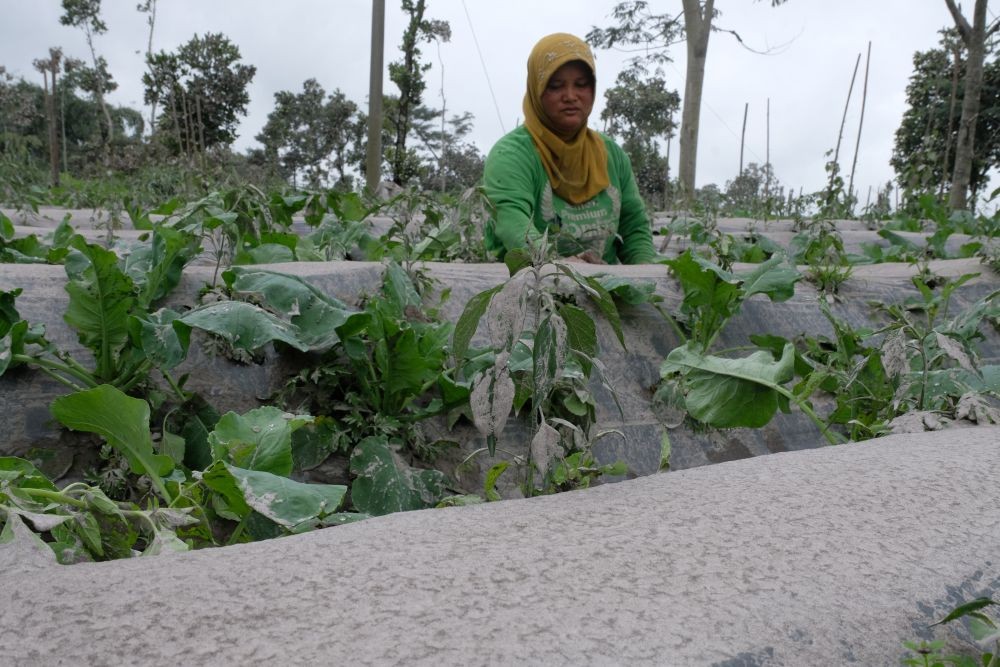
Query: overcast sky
(813, 45)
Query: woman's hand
(586, 257)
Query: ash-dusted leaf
(468, 323)
(258, 440)
(975, 407)
(917, 422)
(729, 393)
(954, 349)
(321, 318)
(895, 360)
(173, 517)
(164, 542)
(508, 310)
(244, 325)
(284, 501)
(545, 447)
(21, 550)
(492, 398)
(384, 483)
(42, 523)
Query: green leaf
(155, 267)
(163, 343)
(100, 298)
(581, 333)
(284, 501)
(772, 279)
(517, 259)
(729, 393)
(384, 483)
(966, 609)
(121, 420)
(628, 290)
(23, 474)
(11, 344)
(322, 319)
(601, 298)
(245, 326)
(467, 324)
(259, 440)
(492, 475)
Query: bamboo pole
(743, 135)
(840, 135)
(861, 121)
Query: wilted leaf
(545, 447)
(508, 310)
(954, 349)
(492, 398)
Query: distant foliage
(924, 152)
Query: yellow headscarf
(578, 168)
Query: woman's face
(568, 98)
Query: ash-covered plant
(544, 344)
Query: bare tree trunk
(974, 37)
(99, 93)
(952, 103)
(53, 129)
(698, 27)
(373, 161)
(201, 129)
(743, 134)
(861, 120)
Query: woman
(554, 173)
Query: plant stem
(55, 496)
(53, 368)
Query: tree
(755, 191)
(204, 86)
(458, 165)
(86, 14)
(308, 130)
(974, 38)
(924, 153)
(408, 75)
(640, 110)
(657, 32)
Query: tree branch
(960, 22)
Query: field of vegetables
(247, 365)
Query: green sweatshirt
(613, 223)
